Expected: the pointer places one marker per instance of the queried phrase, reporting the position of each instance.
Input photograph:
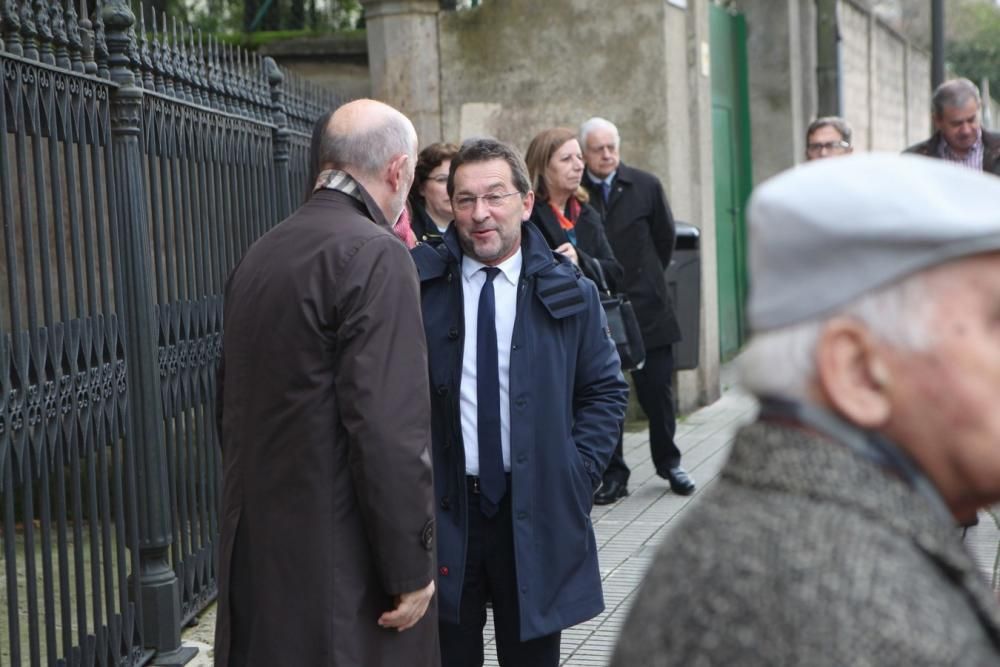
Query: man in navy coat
(527, 400)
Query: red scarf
(574, 214)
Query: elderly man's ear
(852, 375)
(396, 174)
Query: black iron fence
(137, 164)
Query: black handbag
(622, 324)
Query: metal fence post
(281, 138)
(160, 603)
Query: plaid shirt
(973, 159)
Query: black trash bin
(684, 282)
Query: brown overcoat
(327, 508)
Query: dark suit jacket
(640, 228)
(592, 245)
(991, 150)
(327, 502)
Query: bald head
(364, 136)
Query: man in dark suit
(958, 136)
(641, 231)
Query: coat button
(521, 458)
(427, 536)
(442, 390)
(520, 402)
(522, 515)
(445, 504)
(453, 333)
(443, 570)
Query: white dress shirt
(505, 290)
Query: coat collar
(363, 202)
(791, 459)
(625, 174)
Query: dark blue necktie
(492, 481)
(605, 191)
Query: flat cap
(825, 233)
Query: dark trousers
(490, 575)
(654, 389)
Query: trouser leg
(462, 644)
(505, 593)
(654, 388)
(617, 469)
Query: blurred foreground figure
(831, 535)
(326, 552)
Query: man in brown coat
(327, 544)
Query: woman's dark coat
(422, 224)
(327, 504)
(567, 400)
(591, 242)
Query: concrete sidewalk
(629, 531)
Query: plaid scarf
(340, 181)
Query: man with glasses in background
(527, 400)
(829, 136)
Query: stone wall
(507, 70)
(511, 68)
(886, 83)
(781, 67)
(338, 62)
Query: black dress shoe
(610, 491)
(680, 482)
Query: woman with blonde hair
(570, 225)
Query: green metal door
(731, 160)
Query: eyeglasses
(829, 145)
(440, 179)
(493, 200)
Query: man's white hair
(782, 362)
(598, 123)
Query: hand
(410, 608)
(569, 251)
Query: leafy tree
(972, 47)
(244, 16)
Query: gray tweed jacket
(805, 553)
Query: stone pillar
(404, 59)
(781, 62)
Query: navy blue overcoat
(567, 402)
